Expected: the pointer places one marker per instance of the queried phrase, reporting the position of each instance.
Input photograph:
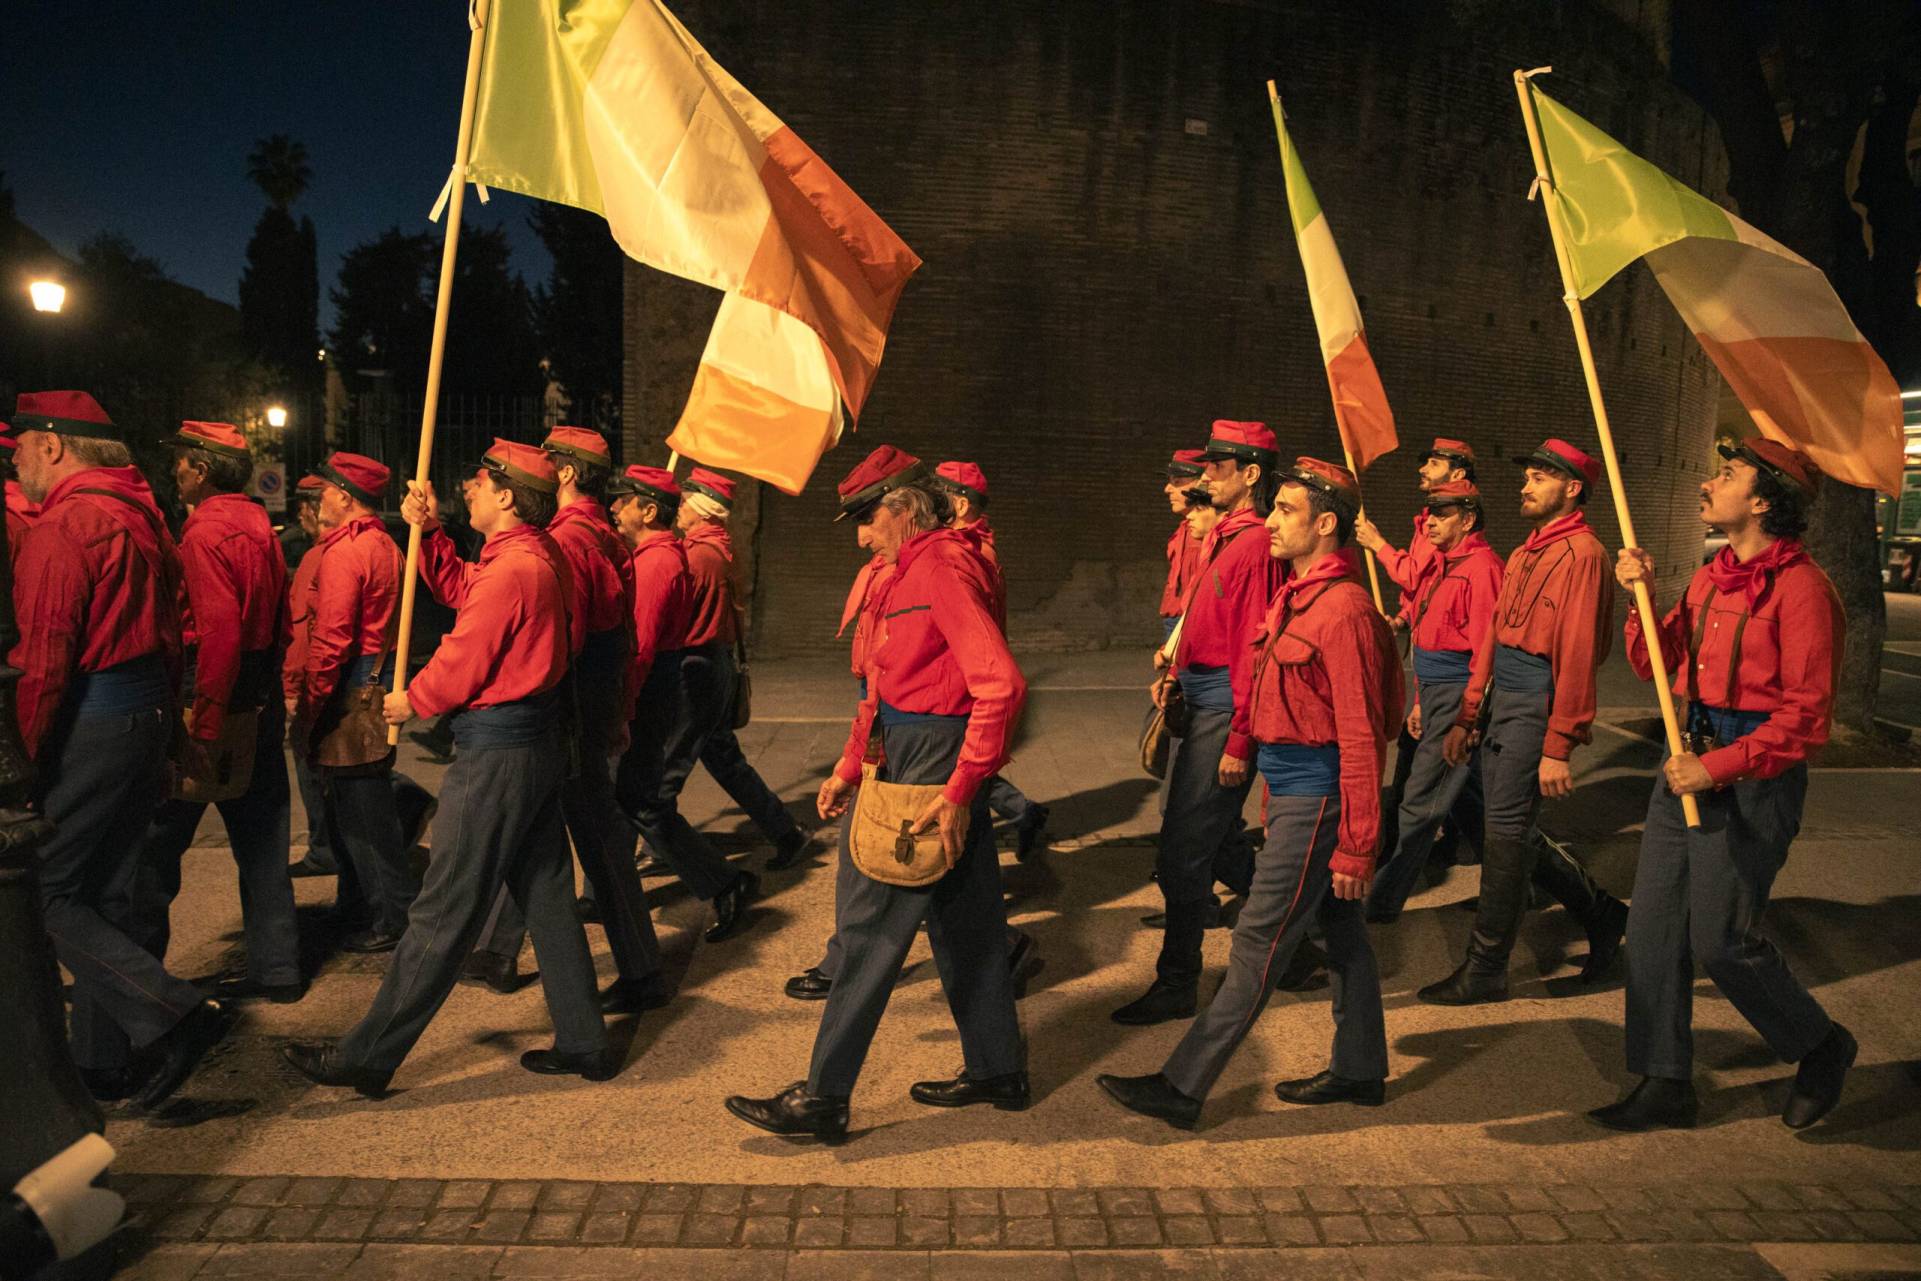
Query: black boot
(1604, 917)
(1007, 1093)
(635, 996)
(1657, 1103)
(730, 907)
(1507, 868)
(322, 1065)
(1161, 1003)
(794, 1113)
(593, 1065)
(1031, 834)
(1605, 934)
(501, 973)
(1153, 1096)
(181, 1048)
(810, 985)
(1817, 1082)
(791, 849)
(1325, 1087)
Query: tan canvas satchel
(883, 846)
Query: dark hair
(1465, 468)
(530, 504)
(1268, 485)
(589, 478)
(1787, 513)
(1319, 501)
(224, 472)
(1465, 508)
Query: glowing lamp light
(48, 295)
(276, 416)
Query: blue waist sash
(1296, 769)
(861, 683)
(137, 685)
(1725, 723)
(1208, 689)
(891, 715)
(603, 652)
(1167, 627)
(518, 724)
(1520, 672)
(1442, 666)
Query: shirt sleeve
(965, 619)
(441, 568)
(1399, 566)
(469, 654)
(1357, 680)
(650, 603)
(333, 627)
(1810, 627)
(1580, 644)
(52, 594)
(216, 616)
(1255, 587)
(1675, 629)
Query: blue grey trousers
(966, 927)
(499, 823)
(1699, 896)
(720, 753)
(1198, 816)
(676, 714)
(1429, 794)
(100, 780)
(1292, 888)
(365, 833)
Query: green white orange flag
(1360, 402)
(612, 106)
(1767, 317)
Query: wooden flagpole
(1643, 601)
(1280, 137)
(429, 410)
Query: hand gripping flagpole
(429, 409)
(1643, 602)
(1373, 574)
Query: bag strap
(156, 565)
(1172, 646)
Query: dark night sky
(137, 118)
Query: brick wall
(1096, 191)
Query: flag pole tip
(1525, 76)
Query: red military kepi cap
(579, 444)
(1336, 482)
(1185, 464)
(522, 464)
(884, 470)
(1454, 451)
(656, 484)
(224, 439)
(363, 478)
(1556, 454)
(1783, 461)
(965, 479)
(1247, 442)
(70, 413)
(1454, 493)
(711, 483)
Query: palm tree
(278, 166)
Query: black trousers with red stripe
(1293, 889)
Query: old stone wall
(1097, 194)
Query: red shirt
(1237, 581)
(980, 537)
(96, 585)
(1452, 602)
(710, 559)
(511, 638)
(293, 671)
(603, 566)
(940, 652)
(1408, 568)
(663, 599)
(861, 599)
(1789, 655)
(1183, 560)
(1556, 602)
(235, 601)
(355, 605)
(20, 515)
(1326, 672)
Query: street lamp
(276, 416)
(48, 295)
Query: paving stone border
(218, 1208)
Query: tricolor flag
(1767, 317)
(1360, 402)
(613, 106)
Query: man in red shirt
(1326, 691)
(944, 694)
(1208, 774)
(234, 614)
(1184, 544)
(346, 646)
(1449, 607)
(1529, 703)
(502, 666)
(1754, 646)
(603, 573)
(97, 594)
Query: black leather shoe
(501, 973)
(790, 851)
(730, 907)
(1159, 1004)
(594, 1065)
(587, 911)
(322, 1065)
(369, 942)
(1303, 968)
(1008, 1093)
(306, 866)
(1325, 1087)
(1817, 1082)
(639, 996)
(1466, 986)
(1604, 937)
(1657, 1103)
(180, 1049)
(1158, 920)
(810, 986)
(110, 1085)
(245, 989)
(1031, 835)
(795, 1114)
(652, 864)
(1153, 1096)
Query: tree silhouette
(278, 166)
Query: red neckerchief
(714, 534)
(1327, 569)
(1750, 579)
(346, 528)
(1560, 527)
(1232, 523)
(1472, 543)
